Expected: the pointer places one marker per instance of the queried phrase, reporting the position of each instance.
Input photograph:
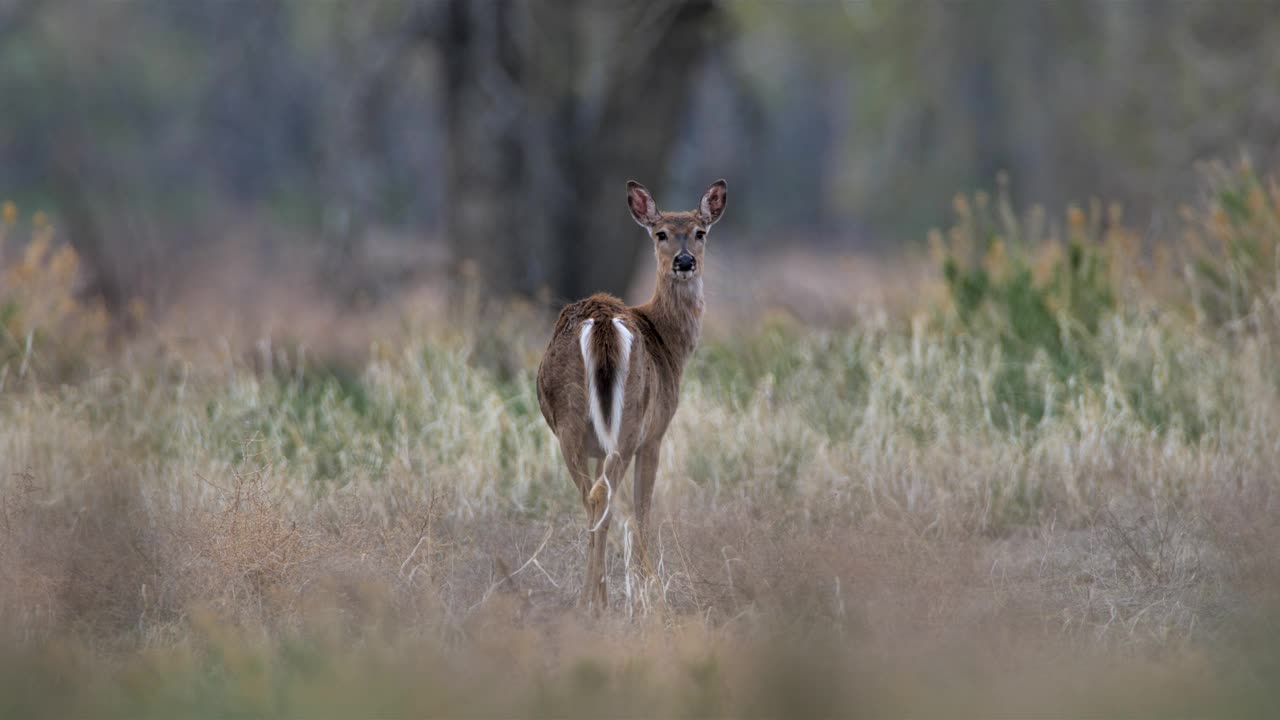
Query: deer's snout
(684, 262)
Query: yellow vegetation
(44, 326)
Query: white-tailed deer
(610, 378)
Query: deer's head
(679, 238)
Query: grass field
(1041, 481)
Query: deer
(609, 381)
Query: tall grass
(1059, 470)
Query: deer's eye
(700, 234)
(661, 235)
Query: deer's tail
(606, 357)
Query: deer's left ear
(713, 202)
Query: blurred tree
(551, 107)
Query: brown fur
(665, 331)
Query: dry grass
(854, 517)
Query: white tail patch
(606, 429)
(619, 382)
(593, 398)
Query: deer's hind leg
(579, 465)
(602, 500)
(578, 462)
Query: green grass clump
(1077, 309)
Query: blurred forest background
(368, 143)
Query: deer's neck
(676, 312)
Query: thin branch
(533, 560)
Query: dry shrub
(245, 547)
(47, 330)
(88, 561)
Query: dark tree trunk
(540, 151)
(647, 98)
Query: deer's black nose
(684, 262)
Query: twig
(404, 564)
(1124, 537)
(533, 560)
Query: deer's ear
(643, 208)
(713, 202)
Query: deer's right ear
(643, 208)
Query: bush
(1231, 246)
(46, 331)
(1064, 303)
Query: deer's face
(679, 238)
(678, 243)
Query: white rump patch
(606, 431)
(593, 399)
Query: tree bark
(538, 159)
(647, 100)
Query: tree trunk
(538, 159)
(661, 47)
(485, 156)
